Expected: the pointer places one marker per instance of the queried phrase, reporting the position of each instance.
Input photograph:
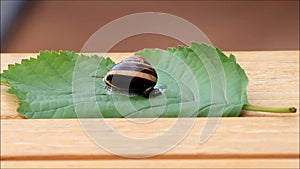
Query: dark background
(230, 25)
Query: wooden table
(255, 140)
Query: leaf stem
(268, 109)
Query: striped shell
(133, 75)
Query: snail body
(134, 75)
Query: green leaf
(209, 79)
(196, 81)
(44, 85)
(3, 81)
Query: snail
(133, 75)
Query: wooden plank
(273, 79)
(249, 142)
(248, 137)
(150, 163)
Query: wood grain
(150, 163)
(272, 137)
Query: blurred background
(31, 26)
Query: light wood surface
(251, 142)
(150, 163)
(264, 142)
(268, 137)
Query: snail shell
(134, 75)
